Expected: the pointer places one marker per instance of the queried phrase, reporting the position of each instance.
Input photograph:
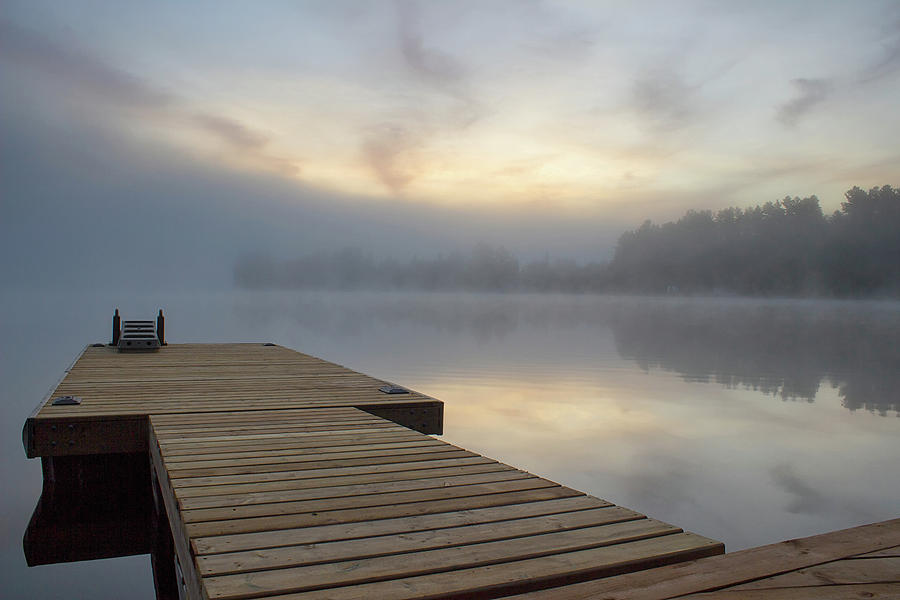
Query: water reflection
(726, 417)
(786, 349)
(91, 508)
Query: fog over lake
(748, 421)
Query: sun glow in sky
(583, 107)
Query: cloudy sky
(425, 126)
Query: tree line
(485, 268)
(786, 247)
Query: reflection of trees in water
(785, 349)
(782, 349)
(878, 394)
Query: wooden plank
(260, 420)
(359, 502)
(296, 579)
(874, 591)
(313, 462)
(344, 550)
(187, 442)
(348, 438)
(207, 403)
(734, 568)
(345, 531)
(867, 570)
(227, 388)
(290, 386)
(187, 374)
(201, 456)
(495, 580)
(895, 551)
(182, 403)
(114, 409)
(313, 438)
(315, 493)
(196, 430)
(318, 482)
(337, 472)
(276, 430)
(379, 512)
(60, 437)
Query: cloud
(231, 131)
(74, 68)
(428, 63)
(804, 499)
(888, 64)
(810, 92)
(667, 99)
(436, 69)
(569, 45)
(107, 85)
(389, 150)
(664, 98)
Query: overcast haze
(211, 130)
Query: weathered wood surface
(118, 391)
(861, 562)
(338, 503)
(211, 377)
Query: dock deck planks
(860, 562)
(119, 390)
(369, 509)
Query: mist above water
(786, 248)
(783, 348)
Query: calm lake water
(748, 421)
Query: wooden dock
(118, 392)
(274, 474)
(282, 475)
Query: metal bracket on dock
(393, 389)
(66, 401)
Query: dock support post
(162, 549)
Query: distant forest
(786, 248)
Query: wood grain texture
(883, 569)
(343, 550)
(307, 501)
(739, 568)
(876, 591)
(497, 515)
(495, 581)
(119, 390)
